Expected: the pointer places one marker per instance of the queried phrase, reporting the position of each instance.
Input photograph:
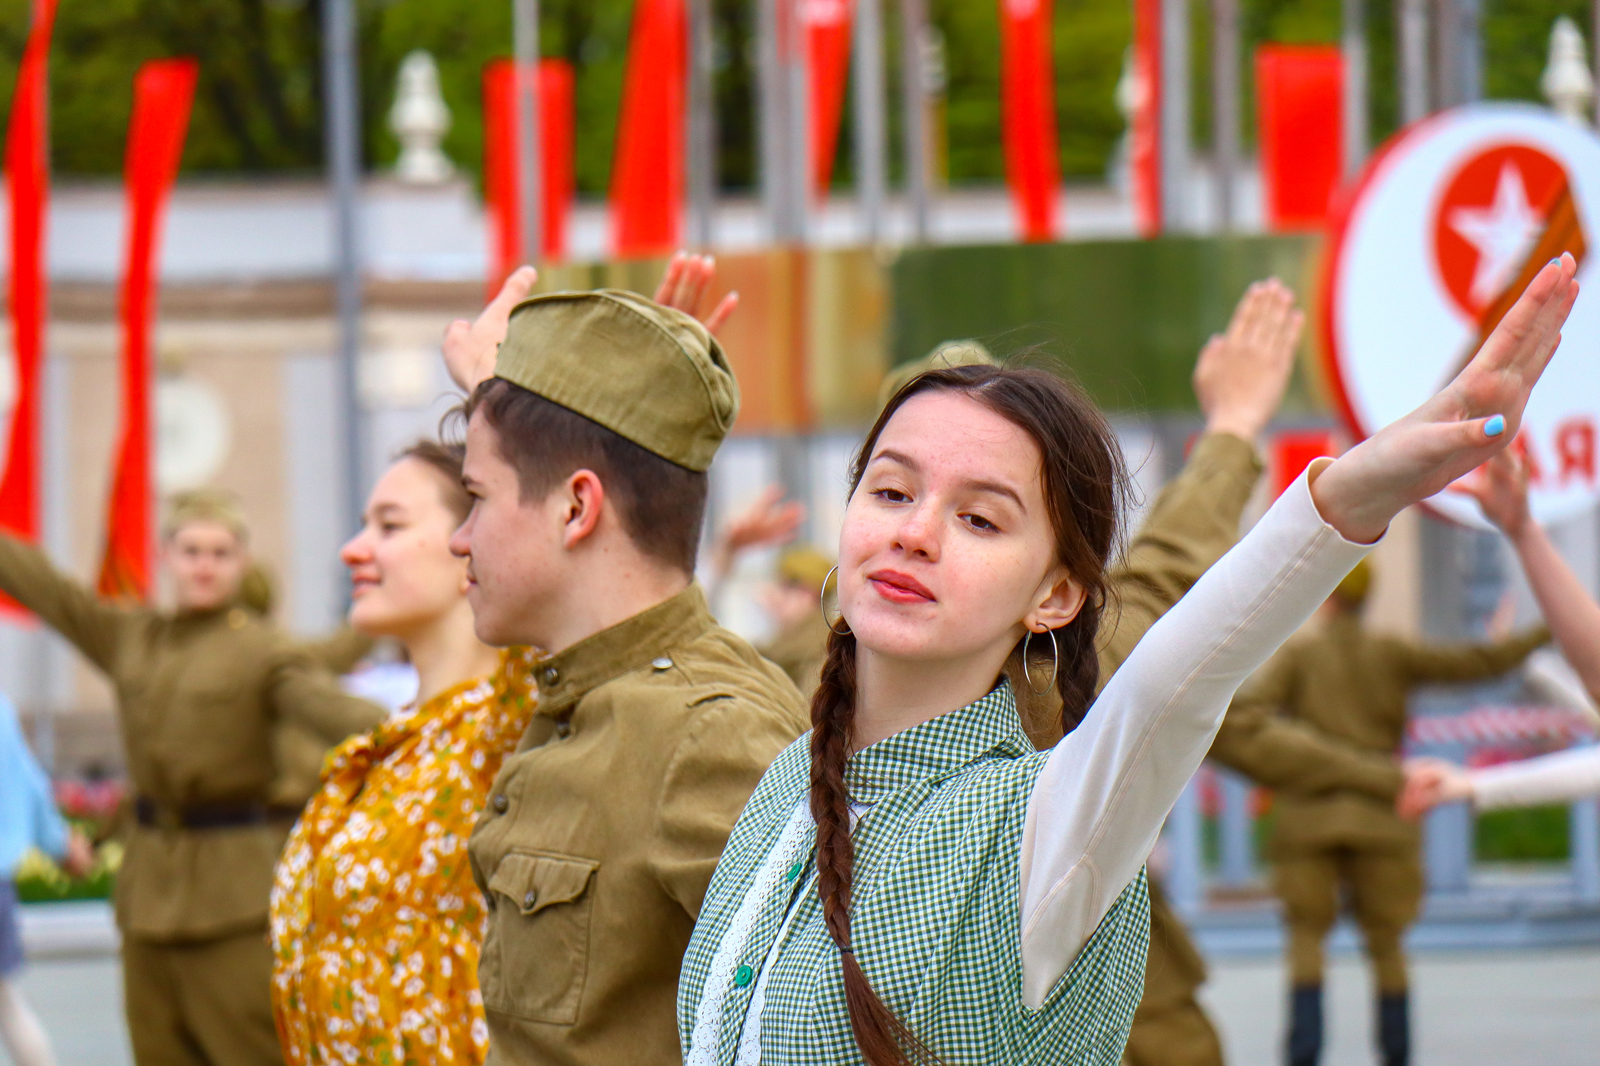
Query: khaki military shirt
(601, 833)
(800, 650)
(1351, 686)
(198, 695)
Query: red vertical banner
(1028, 115)
(827, 32)
(502, 178)
(1294, 450)
(163, 94)
(27, 165)
(1299, 111)
(647, 179)
(1144, 139)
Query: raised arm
(1469, 662)
(1501, 489)
(92, 625)
(305, 693)
(1100, 799)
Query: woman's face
(947, 549)
(402, 575)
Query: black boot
(1305, 1025)
(1394, 1028)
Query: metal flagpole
(530, 198)
(797, 119)
(1225, 106)
(914, 103)
(769, 117)
(341, 139)
(1174, 114)
(1412, 16)
(1354, 46)
(871, 150)
(701, 166)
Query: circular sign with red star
(1446, 227)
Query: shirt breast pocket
(536, 957)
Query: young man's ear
(584, 496)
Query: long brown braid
(1084, 487)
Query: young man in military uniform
(199, 692)
(586, 459)
(1351, 686)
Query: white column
(1237, 831)
(1354, 46)
(914, 108)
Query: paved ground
(1488, 1009)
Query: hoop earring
(1055, 665)
(822, 602)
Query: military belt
(208, 816)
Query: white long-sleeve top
(1559, 778)
(1099, 803)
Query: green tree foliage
(259, 101)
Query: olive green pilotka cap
(948, 354)
(648, 373)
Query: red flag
(163, 92)
(827, 30)
(501, 168)
(1294, 450)
(1144, 141)
(1299, 110)
(28, 166)
(1028, 114)
(647, 179)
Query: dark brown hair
(662, 505)
(1084, 489)
(446, 460)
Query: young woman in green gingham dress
(914, 883)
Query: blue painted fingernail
(1495, 426)
(1556, 261)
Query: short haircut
(662, 505)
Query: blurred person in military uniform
(298, 750)
(588, 438)
(199, 690)
(1351, 686)
(792, 600)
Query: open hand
(1501, 488)
(684, 287)
(1241, 375)
(767, 522)
(470, 347)
(1462, 427)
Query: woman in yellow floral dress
(376, 923)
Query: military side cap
(804, 565)
(648, 373)
(1353, 589)
(948, 354)
(206, 505)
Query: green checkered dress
(935, 915)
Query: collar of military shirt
(646, 639)
(939, 747)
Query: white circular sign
(1441, 224)
(193, 434)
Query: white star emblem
(1503, 233)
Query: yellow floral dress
(376, 922)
